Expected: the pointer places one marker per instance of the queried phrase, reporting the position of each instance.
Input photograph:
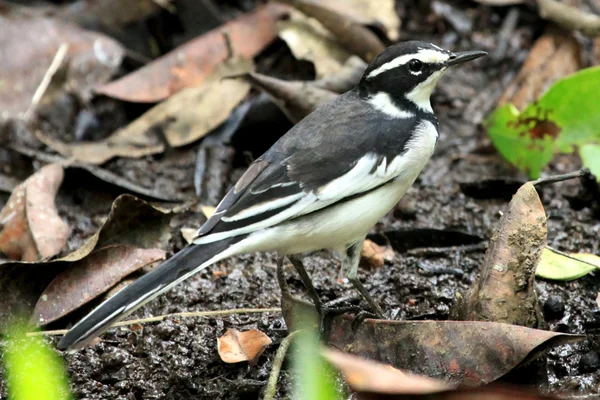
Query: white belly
(331, 228)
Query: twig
(43, 86)
(271, 387)
(562, 253)
(161, 317)
(564, 177)
(569, 17)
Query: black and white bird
(324, 184)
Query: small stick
(161, 317)
(271, 387)
(559, 178)
(43, 86)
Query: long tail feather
(181, 266)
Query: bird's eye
(415, 65)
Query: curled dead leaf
(192, 63)
(183, 118)
(31, 228)
(505, 291)
(86, 279)
(456, 351)
(295, 99)
(309, 40)
(374, 255)
(235, 346)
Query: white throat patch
(426, 56)
(383, 102)
(420, 94)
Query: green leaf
(315, 379)
(560, 267)
(33, 369)
(566, 118)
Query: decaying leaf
(505, 291)
(93, 58)
(295, 99)
(192, 63)
(458, 352)
(235, 346)
(131, 222)
(30, 227)
(553, 56)
(353, 36)
(309, 40)
(86, 279)
(364, 375)
(183, 118)
(380, 13)
(566, 267)
(374, 255)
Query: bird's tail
(181, 266)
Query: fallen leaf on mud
(566, 267)
(86, 279)
(93, 58)
(353, 36)
(381, 14)
(374, 255)
(190, 64)
(505, 289)
(553, 56)
(309, 40)
(30, 227)
(183, 118)
(364, 375)
(131, 222)
(456, 351)
(296, 99)
(236, 346)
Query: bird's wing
(341, 150)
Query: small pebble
(589, 362)
(554, 308)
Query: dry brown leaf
(192, 63)
(93, 58)
(370, 376)
(309, 40)
(457, 351)
(88, 278)
(296, 99)
(31, 228)
(235, 346)
(380, 13)
(183, 118)
(553, 56)
(374, 255)
(354, 37)
(505, 289)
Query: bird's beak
(464, 56)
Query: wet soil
(177, 358)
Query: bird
(324, 184)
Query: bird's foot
(327, 315)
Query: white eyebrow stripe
(424, 55)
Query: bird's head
(405, 74)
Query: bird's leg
(350, 260)
(312, 292)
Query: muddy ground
(177, 358)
